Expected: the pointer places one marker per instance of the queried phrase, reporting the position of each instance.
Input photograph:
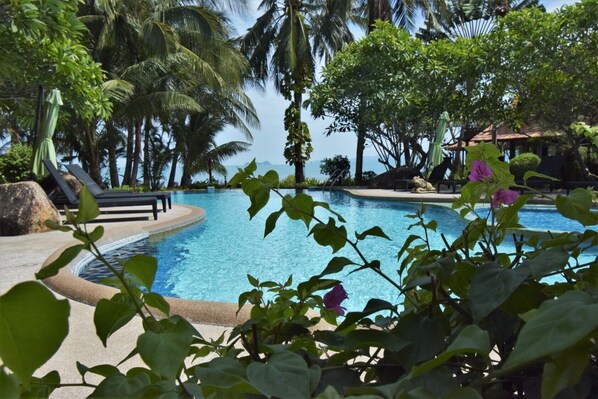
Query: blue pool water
(211, 260)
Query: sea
(312, 169)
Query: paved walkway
(22, 256)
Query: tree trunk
(172, 177)
(210, 178)
(136, 154)
(112, 165)
(378, 9)
(92, 151)
(129, 160)
(146, 154)
(299, 164)
(359, 155)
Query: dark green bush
(15, 165)
(524, 163)
(333, 166)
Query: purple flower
(504, 197)
(480, 171)
(334, 298)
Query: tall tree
(284, 44)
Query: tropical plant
(469, 18)
(284, 44)
(473, 319)
(42, 46)
(523, 163)
(15, 164)
(337, 167)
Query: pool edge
(68, 284)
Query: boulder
(24, 207)
(54, 192)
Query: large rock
(24, 207)
(388, 179)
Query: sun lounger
(71, 200)
(97, 191)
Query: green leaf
(88, 207)
(157, 301)
(471, 339)
(271, 179)
(491, 285)
(565, 370)
(373, 306)
(43, 387)
(112, 314)
(97, 233)
(360, 339)
(301, 207)
(315, 283)
(577, 206)
(547, 261)
(530, 173)
(164, 351)
(56, 226)
(271, 222)
(120, 386)
(142, 267)
(336, 265)
(33, 324)
(330, 235)
(224, 374)
(285, 376)
(557, 325)
(64, 259)
(9, 385)
(259, 195)
(374, 232)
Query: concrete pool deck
(22, 256)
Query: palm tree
(162, 49)
(195, 136)
(284, 44)
(469, 18)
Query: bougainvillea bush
(473, 321)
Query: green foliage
(337, 167)
(523, 163)
(43, 44)
(15, 165)
(468, 323)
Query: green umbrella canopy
(435, 152)
(44, 147)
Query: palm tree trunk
(136, 154)
(129, 160)
(359, 155)
(299, 165)
(146, 154)
(92, 151)
(172, 177)
(112, 166)
(210, 179)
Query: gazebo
(530, 138)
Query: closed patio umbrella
(44, 147)
(435, 151)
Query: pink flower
(480, 171)
(504, 197)
(334, 298)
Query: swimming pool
(211, 260)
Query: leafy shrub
(338, 167)
(367, 176)
(15, 165)
(472, 320)
(523, 163)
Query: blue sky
(269, 139)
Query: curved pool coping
(70, 285)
